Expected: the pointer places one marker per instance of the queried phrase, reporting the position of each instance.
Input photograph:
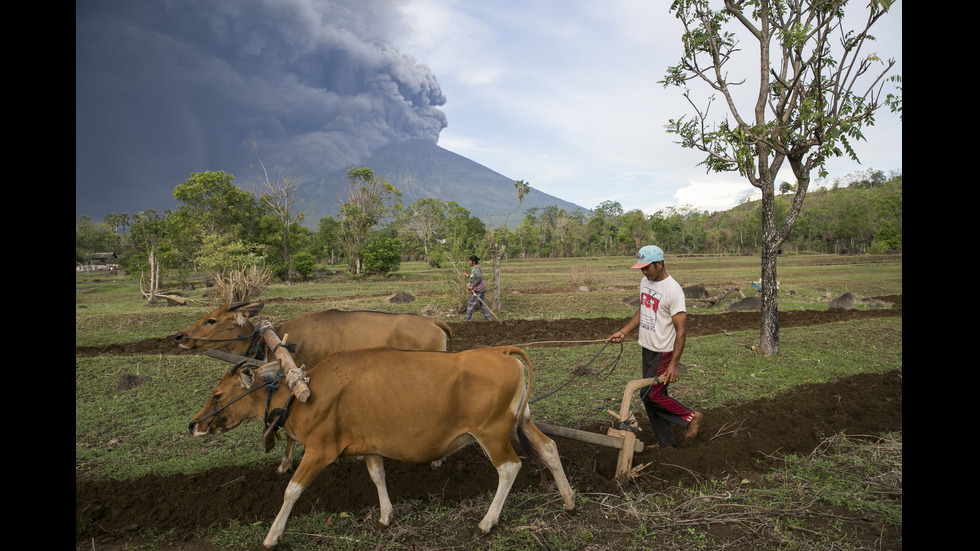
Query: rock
(843, 302)
(128, 381)
(746, 304)
(401, 297)
(695, 292)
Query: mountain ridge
(422, 169)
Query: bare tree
(499, 246)
(817, 89)
(280, 195)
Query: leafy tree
(462, 231)
(326, 242)
(813, 101)
(889, 237)
(633, 230)
(305, 265)
(606, 217)
(382, 256)
(215, 215)
(370, 199)
(117, 221)
(92, 237)
(269, 237)
(218, 205)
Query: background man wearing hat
(662, 319)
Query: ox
(412, 406)
(315, 337)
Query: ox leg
(506, 473)
(547, 450)
(308, 468)
(287, 456)
(376, 468)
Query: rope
(241, 337)
(252, 351)
(268, 382)
(578, 372)
(555, 342)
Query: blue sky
(560, 93)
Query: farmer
(662, 319)
(477, 289)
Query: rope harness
(253, 347)
(275, 418)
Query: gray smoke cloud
(164, 88)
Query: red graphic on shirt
(650, 301)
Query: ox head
(237, 397)
(226, 327)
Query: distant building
(99, 262)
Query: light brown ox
(412, 406)
(315, 336)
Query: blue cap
(648, 254)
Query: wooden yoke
(296, 378)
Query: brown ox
(412, 406)
(315, 337)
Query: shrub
(243, 284)
(305, 265)
(382, 256)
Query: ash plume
(164, 88)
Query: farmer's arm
(633, 323)
(680, 327)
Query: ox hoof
(478, 533)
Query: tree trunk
(496, 276)
(769, 333)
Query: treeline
(218, 226)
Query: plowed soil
(108, 512)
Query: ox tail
(522, 355)
(523, 418)
(449, 333)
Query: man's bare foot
(694, 426)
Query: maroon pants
(662, 410)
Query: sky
(562, 94)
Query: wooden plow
(624, 439)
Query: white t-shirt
(659, 302)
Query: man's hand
(618, 336)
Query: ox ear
(245, 311)
(247, 376)
(269, 370)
